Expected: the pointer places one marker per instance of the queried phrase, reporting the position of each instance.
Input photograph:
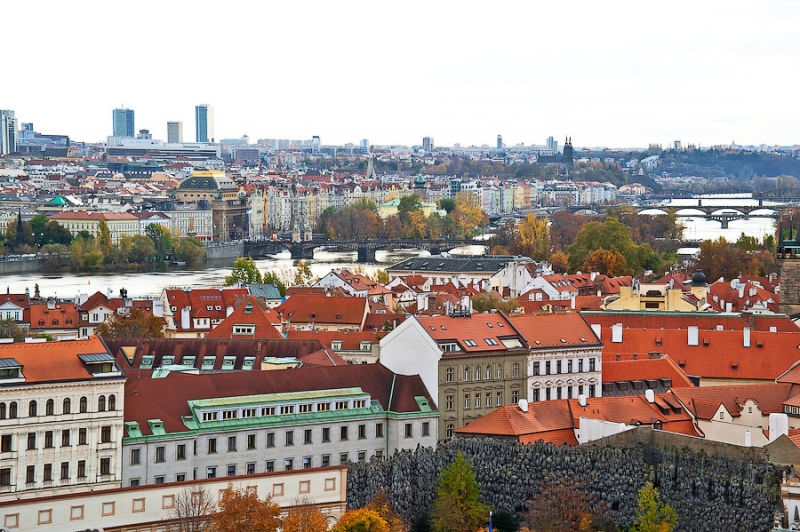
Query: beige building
(229, 205)
(691, 297)
(119, 223)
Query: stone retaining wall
(711, 493)
(225, 251)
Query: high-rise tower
(123, 122)
(8, 132)
(174, 132)
(204, 123)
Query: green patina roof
(276, 397)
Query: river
(70, 285)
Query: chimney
(572, 302)
(741, 290)
(746, 332)
(650, 395)
(597, 328)
(186, 322)
(729, 307)
(616, 333)
(694, 334)
(582, 400)
(523, 405)
(228, 311)
(593, 275)
(753, 291)
(778, 426)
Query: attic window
(188, 360)
(443, 327)
(734, 364)
(470, 343)
(248, 363)
(174, 309)
(208, 362)
(537, 342)
(705, 342)
(336, 345)
(167, 360)
(228, 362)
(10, 369)
(217, 308)
(563, 341)
(759, 343)
(583, 339)
(490, 341)
(511, 343)
(500, 324)
(338, 316)
(209, 307)
(434, 328)
(489, 325)
(147, 362)
(658, 341)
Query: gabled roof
(53, 361)
(323, 309)
(486, 331)
(200, 300)
(63, 316)
(351, 341)
(167, 399)
(20, 300)
(248, 314)
(704, 402)
(550, 421)
(555, 330)
(646, 369)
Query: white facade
(564, 373)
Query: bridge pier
(724, 222)
(300, 252)
(435, 250)
(365, 254)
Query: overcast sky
(614, 74)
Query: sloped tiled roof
(645, 369)
(476, 329)
(251, 314)
(555, 330)
(681, 320)
(322, 309)
(53, 361)
(705, 401)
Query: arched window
(12, 410)
(112, 402)
(2, 410)
(65, 409)
(450, 430)
(49, 407)
(101, 404)
(84, 405)
(32, 409)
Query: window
(449, 431)
(2, 410)
(488, 372)
(250, 468)
(379, 430)
(547, 368)
(180, 451)
(488, 400)
(31, 440)
(210, 416)
(466, 373)
(251, 442)
(449, 374)
(409, 430)
(48, 439)
(32, 408)
(211, 446)
(426, 428)
(287, 409)
(50, 408)
(232, 470)
(536, 394)
(270, 439)
(64, 470)
(569, 392)
(580, 365)
(288, 464)
(306, 407)
(5, 476)
(558, 392)
(499, 371)
(65, 406)
(231, 444)
(591, 364)
(48, 473)
(323, 407)
(470, 343)
(269, 466)
(490, 341)
(65, 438)
(362, 432)
(101, 404)
(105, 466)
(580, 389)
(307, 462)
(536, 368)
(229, 414)
(343, 433)
(477, 372)
(105, 434)
(362, 456)
(211, 472)
(82, 468)
(547, 394)
(515, 370)
(12, 410)
(558, 367)
(343, 458)
(448, 402)
(30, 474)
(289, 438)
(341, 405)
(499, 401)
(591, 390)
(466, 400)
(478, 403)
(722, 415)
(514, 396)
(569, 366)
(326, 460)
(307, 436)
(248, 412)
(159, 479)
(135, 456)
(160, 454)
(326, 434)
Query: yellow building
(691, 297)
(119, 223)
(389, 208)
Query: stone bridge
(366, 248)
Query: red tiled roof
(249, 313)
(166, 399)
(93, 215)
(351, 341)
(555, 330)
(53, 361)
(321, 309)
(542, 420)
(63, 316)
(476, 329)
(200, 300)
(680, 320)
(705, 401)
(645, 369)
(375, 322)
(20, 300)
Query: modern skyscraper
(364, 145)
(8, 132)
(499, 142)
(315, 144)
(427, 144)
(123, 123)
(204, 123)
(174, 131)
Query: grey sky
(607, 73)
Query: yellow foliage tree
(610, 263)
(361, 520)
(534, 238)
(384, 508)
(305, 517)
(240, 510)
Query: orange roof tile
(705, 401)
(322, 309)
(645, 369)
(480, 332)
(251, 314)
(555, 330)
(53, 361)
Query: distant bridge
(365, 248)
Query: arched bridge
(365, 248)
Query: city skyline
(607, 75)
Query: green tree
(409, 203)
(190, 250)
(457, 507)
(448, 204)
(274, 278)
(38, 223)
(747, 243)
(137, 324)
(10, 329)
(142, 249)
(84, 254)
(652, 514)
(611, 235)
(244, 272)
(162, 240)
(54, 233)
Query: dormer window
(147, 362)
(208, 362)
(248, 363)
(10, 371)
(100, 363)
(336, 345)
(228, 362)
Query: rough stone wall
(710, 493)
(790, 287)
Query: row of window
(7, 440)
(548, 393)
(480, 400)
(480, 372)
(555, 367)
(303, 408)
(66, 407)
(47, 472)
(269, 467)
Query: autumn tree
(384, 508)
(610, 263)
(192, 509)
(85, 255)
(409, 203)
(564, 228)
(653, 515)
(611, 235)
(136, 324)
(162, 240)
(534, 238)
(244, 272)
(559, 261)
(303, 276)
(719, 259)
(565, 508)
(273, 278)
(10, 329)
(457, 507)
(190, 250)
(104, 240)
(380, 276)
(304, 516)
(240, 510)
(361, 520)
